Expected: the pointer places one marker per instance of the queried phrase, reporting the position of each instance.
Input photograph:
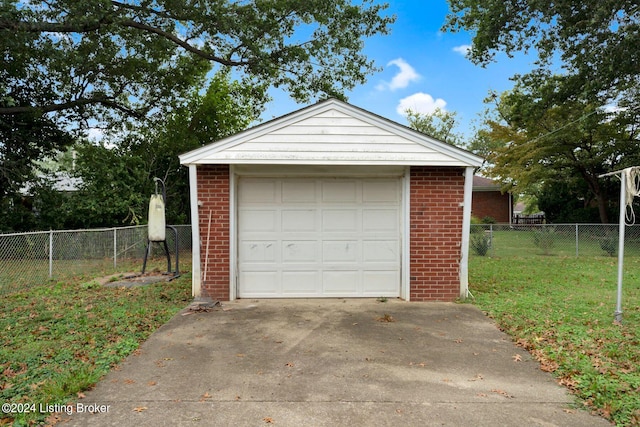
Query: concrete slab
(327, 363)
(129, 280)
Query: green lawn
(60, 337)
(561, 310)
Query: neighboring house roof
(61, 181)
(485, 184)
(331, 132)
(64, 182)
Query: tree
(537, 143)
(117, 178)
(439, 124)
(108, 59)
(24, 138)
(595, 41)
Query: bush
(480, 244)
(609, 245)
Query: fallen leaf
(268, 420)
(81, 395)
(289, 365)
(458, 341)
(517, 358)
(129, 381)
(151, 383)
(502, 393)
(140, 408)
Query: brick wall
(435, 233)
(213, 192)
(491, 203)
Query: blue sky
(423, 68)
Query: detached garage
(330, 201)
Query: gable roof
(331, 132)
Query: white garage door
(318, 237)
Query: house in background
(330, 201)
(489, 201)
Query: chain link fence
(498, 240)
(29, 259)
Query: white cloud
(406, 75)
(420, 102)
(463, 49)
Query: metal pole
(577, 241)
(622, 225)
(50, 254)
(115, 248)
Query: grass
(561, 310)
(61, 337)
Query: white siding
(331, 133)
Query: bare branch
(201, 53)
(72, 104)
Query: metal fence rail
(28, 259)
(504, 240)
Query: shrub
(609, 245)
(480, 244)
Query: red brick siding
(491, 203)
(213, 193)
(435, 233)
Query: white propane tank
(157, 223)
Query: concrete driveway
(356, 362)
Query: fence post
(576, 240)
(50, 254)
(491, 239)
(115, 248)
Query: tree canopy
(536, 145)
(439, 124)
(89, 58)
(595, 41)
(117, 180)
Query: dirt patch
(129, 280)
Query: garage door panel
(380, 283)
(299, 251)
(300, 283)
(319, 237)
(340, 191)
(381, 251)
(258, 191)
(341, 282)
(261, 283)
(259, 220)
(258, 251)
(299, 220)
(378, 220)
(380, 191)
(341, 251)
(340, 220)
(299, 191)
